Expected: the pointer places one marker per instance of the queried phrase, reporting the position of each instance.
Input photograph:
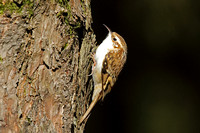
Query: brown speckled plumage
(110, 58)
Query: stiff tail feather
(94, 101)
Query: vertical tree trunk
(45, 49)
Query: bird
(109, 59)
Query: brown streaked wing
(115, 61)
(112, 65)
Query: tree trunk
(45, 60)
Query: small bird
(109, 60)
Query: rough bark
(45, 49)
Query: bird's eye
(114, 39)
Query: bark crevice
(44, 63)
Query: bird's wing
(112, 65)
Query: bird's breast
(102, 50)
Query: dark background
(158, 89)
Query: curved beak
(108, 28)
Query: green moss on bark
(17, 6)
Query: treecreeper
(109, 60)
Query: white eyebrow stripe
(118, 40)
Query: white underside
(102, 50)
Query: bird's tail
(96, 96)
(94, 101)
